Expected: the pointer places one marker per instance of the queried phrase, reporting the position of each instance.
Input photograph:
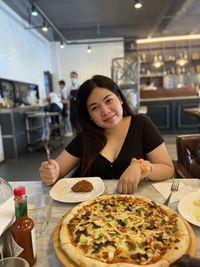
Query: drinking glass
(13, 262)
(39, 210)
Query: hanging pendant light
(62, 44)
(138, 4)
(89, 49)
(45, 27)
(34, 11)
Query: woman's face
(104, 108)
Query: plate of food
(189, 207)
(74, 190)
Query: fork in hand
(174, 188)
(46, 145)
(46, 140)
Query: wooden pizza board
(66, 261)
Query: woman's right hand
(49, 171)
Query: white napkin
(164, 189)
(7, 212)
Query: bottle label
(16, 249)
(33, 241)
(20, 209)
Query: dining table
(46, 255)
(195, 112)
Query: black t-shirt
(142, 137)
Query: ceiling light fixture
(138, 4)
(34, 11)
(50, 23)
(89, 49)
(62, 44)
(168, 39)
(45, 27)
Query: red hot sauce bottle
(22, 230)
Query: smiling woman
(104, 108)
(114, 143)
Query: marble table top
(45, 251)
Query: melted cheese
(115, 228)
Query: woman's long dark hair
(94, 138)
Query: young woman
(113, 144)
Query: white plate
(62, 192)
(186, 206)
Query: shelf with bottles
(158, 63)
(170, 68)
(195, 65)
(191, 80)
(151, 75)
(174, 80)
(151, 65)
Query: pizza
(123, 231)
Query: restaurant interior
(150, 49)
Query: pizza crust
(77, 255)
(83, 261)
(174, 254)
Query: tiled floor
(26, 167)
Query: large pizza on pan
(123, 231)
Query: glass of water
(13, 262)
(39, 210)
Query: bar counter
(170, 98)
(168, 113)
(45, 251)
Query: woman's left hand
(129, 180)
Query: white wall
(75, 57)
(24, 54)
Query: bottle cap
(20, 191)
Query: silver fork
(46, 140)
(46, 145)
(174, 188)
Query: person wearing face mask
(73, 101)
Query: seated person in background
(113, 143)
(65, 112)
(55, 105)
(150, 86)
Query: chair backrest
(188, 153)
